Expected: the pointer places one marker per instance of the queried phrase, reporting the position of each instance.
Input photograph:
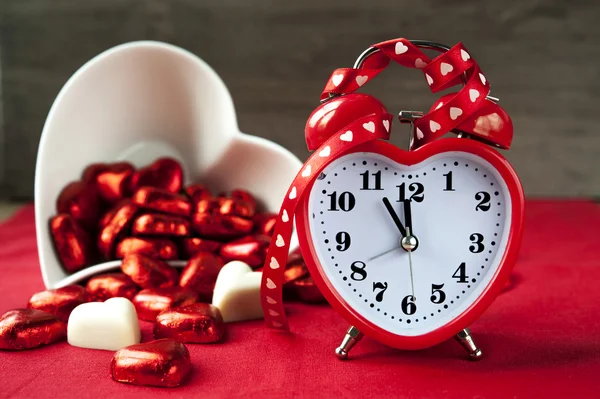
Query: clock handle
(465, 339)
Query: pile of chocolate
(115, 211)
(147, 217)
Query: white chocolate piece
(109, 325)
(237, 292)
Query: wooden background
(275, 56)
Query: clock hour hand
(394, 216)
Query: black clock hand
(394, 216)
(408, 217)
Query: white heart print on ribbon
(137, 102)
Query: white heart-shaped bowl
(137, 102)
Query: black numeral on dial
(343, 240)
(409, 306)
(448, 181)
(437, 295)
(376, 175)
(477, 241)
(345, 202)
(417, 190)
(461, 274)
(484, 201)
(358, 271)
(380, 286)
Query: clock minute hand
(408, 218)
(394, 216)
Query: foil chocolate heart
(200, 274)
(161, 363)
(113, 183)
(81, 201)
(116, 227)
(71, 241)
(155, 199)
(110, 285)
(124, 114)
(164, 174)
(251, 250)
(149, 273)
(199, 323)
(150, 302)
(155, 224)
(29, 328)
(191, 246)
(156, 248)
(60, 302)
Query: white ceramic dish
(139, 101)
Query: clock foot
(353, 335)
(465, 339)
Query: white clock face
(460, 210)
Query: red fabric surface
(541, 339)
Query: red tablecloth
(540, 340)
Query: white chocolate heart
(237, 292)
(167, 102)
(109, 325)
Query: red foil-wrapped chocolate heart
(237, 207)
(218, 227)
(251, 250)
(29, 328)
(81, 201)
(210, 206)
(113, 183)
(157, 248)
(200, 274)
(307, 290)
(161, 363)
(110, 285)
(150, 302)
(264, 223)
(155, 224)
(156, 199)
(71, 242)
(92, 171)
(200, 323)
(245, 196)
(149, 273)
(59, 302)
(164, 173)
(116, 227)
(197, 192)
(191, 246)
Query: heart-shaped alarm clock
(410, 247)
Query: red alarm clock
(410, 247)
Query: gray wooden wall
(541, 56)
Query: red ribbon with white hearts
(440, 73)
(444, 71)
(362, 130)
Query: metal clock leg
(353, 335)
(465, 339)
